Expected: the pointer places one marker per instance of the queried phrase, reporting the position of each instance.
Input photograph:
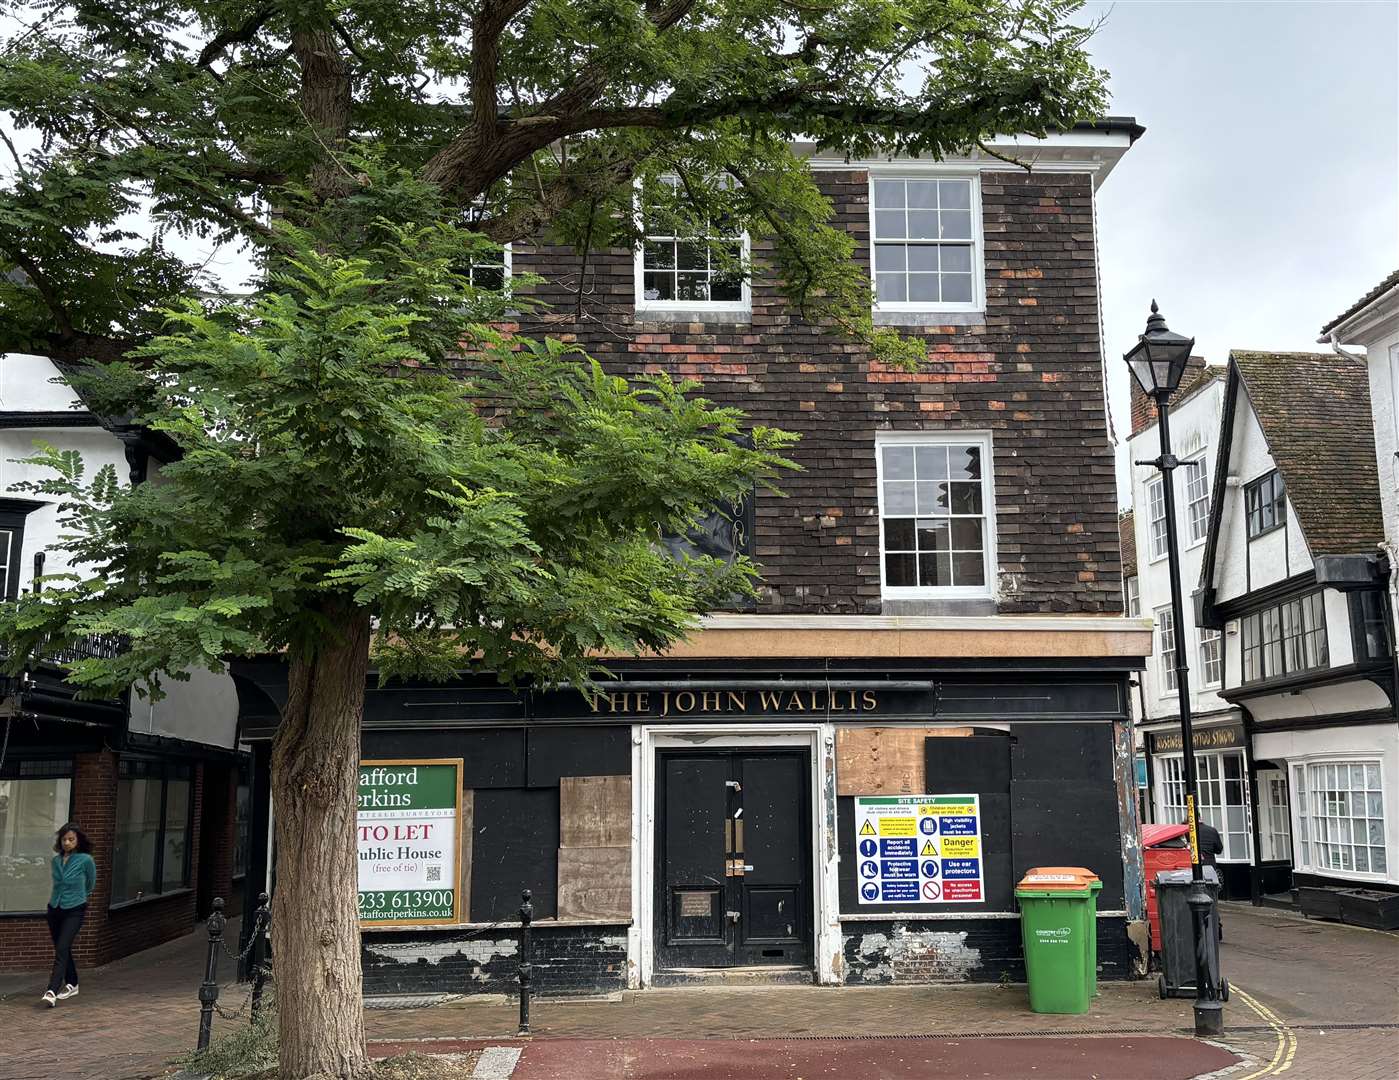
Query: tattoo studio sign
(408, 834)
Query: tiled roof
(1314, 409)
(1127, 536)
(1383, 287)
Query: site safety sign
(919, 849)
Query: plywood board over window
(884, 760)
(595, 847)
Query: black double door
(733, 859)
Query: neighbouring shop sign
(408, 835)
(1210, 738)
(919, 849)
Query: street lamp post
(1157, 361)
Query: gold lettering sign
(681, 702)
(1216, 738)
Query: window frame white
(507, 274)
(1275, 828)
(1200, 499)
(1166, 648)
(1211, 660)
(1156, 499)
(981, 439)
(1212, 782)
(978, 242)
(641, 305)
(1305, 842)
(1132, 588)
(9, 560)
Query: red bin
(1164, 847)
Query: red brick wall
(1030, 373)
(106, 935)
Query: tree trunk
(315, 915)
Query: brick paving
(138, 1013)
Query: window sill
(958, 317)
(939, 605)
(1346, 875)
(669, 315)
(123, 905)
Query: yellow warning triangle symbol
(867, 829)
(929, 848)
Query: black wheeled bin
(1177, 978)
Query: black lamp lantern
(1159, 357)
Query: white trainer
(50, 999)
(69, 990)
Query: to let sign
(408, 835)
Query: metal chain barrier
(260, 970)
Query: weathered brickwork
(567, 960)
(976, 950)
(1029, 371)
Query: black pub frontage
(783, 798)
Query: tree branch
(45, 288)
(240, 35)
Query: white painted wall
(97, 446)
(1195, 425)
(26, 385)
(205, 709)
(1243, 565)
(1377, 332)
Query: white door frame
(819, 740)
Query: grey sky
(1264, 198)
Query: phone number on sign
(406, 904)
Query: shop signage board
(408, 832)
(919, 849)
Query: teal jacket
(73, 881)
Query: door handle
(733, 916)
(733, 784)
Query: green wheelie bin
(1058, 925)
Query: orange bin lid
(1053, 878)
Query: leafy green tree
(359, 451)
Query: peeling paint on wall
(908, 954)
(1124, 772)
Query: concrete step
(752, 975)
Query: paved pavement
(1313, 1001)
(1325, 996)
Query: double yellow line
(1287, 1038)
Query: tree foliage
(529, 117)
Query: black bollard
(262, 920)
(209, 988)
(526, 914)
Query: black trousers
(64, 924)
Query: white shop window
(925, 234)
(1222, 784)
(936, 515)
(1340, 818)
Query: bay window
(1340, 816)
(1285, 639)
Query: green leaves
(333, 456)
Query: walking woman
(74, 876)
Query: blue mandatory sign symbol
(930, 868)
(869, 868)
(868, 847)
(928, 825)
(869, 890)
